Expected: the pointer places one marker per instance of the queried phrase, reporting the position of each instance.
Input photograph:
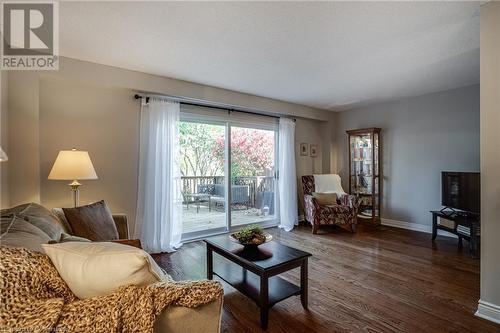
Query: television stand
(467, 226)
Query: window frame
(207, 115)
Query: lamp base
(76, 192)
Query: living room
(330, 139)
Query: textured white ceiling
(330, 55)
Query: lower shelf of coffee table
(248, 283)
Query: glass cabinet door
(364, 178)
(361, 165)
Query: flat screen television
(461, 190)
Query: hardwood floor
(377, 280)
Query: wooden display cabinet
(364, 172)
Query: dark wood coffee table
(253, 272)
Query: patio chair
(240, 194)
(186, 200)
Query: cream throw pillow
(325, 199)
(99, 268)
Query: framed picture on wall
(314, 150)
(304, 151)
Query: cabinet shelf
(364, 172)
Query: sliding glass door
(252, 175)
(228, 175)
(203, 165)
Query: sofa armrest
(130, 242)
(202, 319)
(121, 223)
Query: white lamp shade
(72, 165)
(3, 155)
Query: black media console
(466, 226)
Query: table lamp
(73, 165)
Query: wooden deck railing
(255, 184)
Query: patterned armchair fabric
(344, 213)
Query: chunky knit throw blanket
(34, 298)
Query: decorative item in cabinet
(364, 172)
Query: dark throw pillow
(40, 217)
(93, 222)
(17, 232)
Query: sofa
(36, 225)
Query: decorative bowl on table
(251, 236)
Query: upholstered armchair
(343, 214)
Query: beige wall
(310, 132)
(4, 141)
(489, 305)
(23, 132)
(103, 121)
(107, 76)
(91, 107)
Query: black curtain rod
(137, 96)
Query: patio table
(197, 198)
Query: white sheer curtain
(159, 199)
(287, 182)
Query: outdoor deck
(206, 220)
(249, 195)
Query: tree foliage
(202, 150)
(199, 156)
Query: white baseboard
(488, 311)
(414, 227)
